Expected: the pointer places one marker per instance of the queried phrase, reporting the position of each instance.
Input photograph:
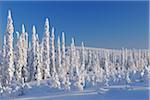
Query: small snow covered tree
(9, 72)
(72, 59)
(107, 73)
(97, 69)
(46, 50)
(88, 67)
(83, 57)
(82, 69)
(66, 80)
(78, 75)
(127, 76)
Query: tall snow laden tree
(54, 75)
(65, 66)
(9, 59)
(46, 50)
(41, 59)
(72, 59)
(18, 58)
(38, 74)
(36, 70)
(52, 54)
(21, 70)
(59, 67)
(3, 68)
(63, 52)
(34, 62)
(24, 38)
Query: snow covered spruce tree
(63, 53)
(52, 54)
(78, 75)
(72, 60)
(106, 67)
(54, 75)
(3, 53)
(9, 59)
(83, 69)
(24, 38)
(33, 51)
(65, 66)
(88, 66)
(38, 74)
(18, 59)
(21, 69)
(46, 50)
(29, 61)
(41, 58)
(59, 67)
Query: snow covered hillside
(45, 69)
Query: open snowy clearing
(117, 92)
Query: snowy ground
(116, 92)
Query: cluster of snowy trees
(64, 67)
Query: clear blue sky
(111, 24)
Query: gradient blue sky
(111, 24)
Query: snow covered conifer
(83, 57)
(18, 58)
(3, 61)
(78, 74)
(63, 60)
(63, 50)
(72, 59)
(41, 58)
(82, 68)
(65, 65)
(46, 50)
(59, 67)
(38, 74)
(33, 66)
(24, 47)
(9, 72)
(107, 73)
(54, 75)
(52, 54)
